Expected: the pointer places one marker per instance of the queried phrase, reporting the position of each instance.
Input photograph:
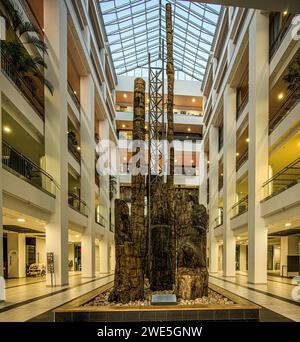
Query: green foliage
(292, 78)
(20, 33)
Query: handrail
(76, 203)
(280, 36)
(282, 180)
(283, 111)
(10, 71)
(240, 207)
(34, 174)
(74, 97)
(242, 105)
(242, 160)
(99, 219)
(218, 221)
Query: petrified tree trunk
(128, 269)
(170, 137)
(138, 176)
(191, 226)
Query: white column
(229, 184)
(22, 255)
(104, 254)
(87, 94)
(203, 175)
(258, 145)
(213, 197)
(2, 291)
(56, 124)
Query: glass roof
(136, 27)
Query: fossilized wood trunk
(161, 263)
(191, 225)
(138, 223)
(128, 269)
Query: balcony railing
(291, 101)
(74, 97)
(11, 72)
(274, 46)
(240, 207)
(242, 160)
(218, 221)
(76, 203)
(282, 180)
(17, 163)
(242, 105)
(100, 219)
(73, 150)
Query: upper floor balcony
(35, 97)
(16, 163)
(240, 207)
(76, 203)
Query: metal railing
(73, 150)
(17, 163)
(74, 97)
(274, 46)
(242, 105)
(100, 219)
(241, 160)
(10, 71)
(240, 207)
(291, 101)
(218, 221)
(76, 203)
(282, 180)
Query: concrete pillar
(220, 259)
(104, 255)
(258, 145)
(87, 93)
(22, 255)
(2, 291)
(213, 197)
(203, 175)
(229, 183)
(56, 124)
(243, 258)
(214, 92)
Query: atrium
(203, 97)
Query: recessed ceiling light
(123, 126)
(237, 154)
(238, 238)
(222, 174)
(280, 96)
(125, 96)
(192, 161)
(285, 12)
(175, 160)
(6, 129)
(21, 220)
(193, 100)
(78, 148)
(124, 158)
(77, 235)
(288, 224)
(148, 100)
(247, 140)
(145, 127)
(75, 92)
(208, 162)
(189, 129)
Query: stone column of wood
(170, 136)
(138, 223)
(128, 284)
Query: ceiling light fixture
(78, 148)
(123, 126)
(125, 96)
(247, 140)
(6, 129)
(280, 96)
(237, 154)
(21, 220)
(75, 92)
(285, 12)
(193, 100)
(189, 129)
(77, 236)
(288, 224)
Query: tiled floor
(30, 299)
(276, 295)
(25, 300)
